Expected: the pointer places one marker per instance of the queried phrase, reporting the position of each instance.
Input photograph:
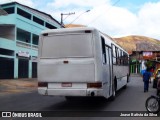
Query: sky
(117, 18)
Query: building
(19, 34)
(146, 53)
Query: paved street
(130, 99)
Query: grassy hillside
(129, 42)
(73, 25)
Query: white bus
(80, 62)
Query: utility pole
(62, 17)
(77, 17)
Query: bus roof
(64, 30)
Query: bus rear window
(67, 45)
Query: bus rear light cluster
(42, 84)
(94, 85)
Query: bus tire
(125, 86)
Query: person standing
(146, 79)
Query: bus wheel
(125, 86)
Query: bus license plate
(66, 84)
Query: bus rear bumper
(71, 92)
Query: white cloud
(149, 20)
(25, 2)
(114, 21)
(56, 7)
(117, 21)
(80, 3)
(5, 1)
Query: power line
(65, 14)
(75, 12)
(102, 13)
(68, 15)
(77, 17)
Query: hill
(73, 25)
(139, 43)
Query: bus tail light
(42, 84)
(94, 85)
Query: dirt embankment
(11, 86)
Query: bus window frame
(103, 49)
(120, 56)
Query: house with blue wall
(19, 35)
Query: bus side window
(125, 59)
(103, 50)
(114, 54)
(117, 56)
(108, 55)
